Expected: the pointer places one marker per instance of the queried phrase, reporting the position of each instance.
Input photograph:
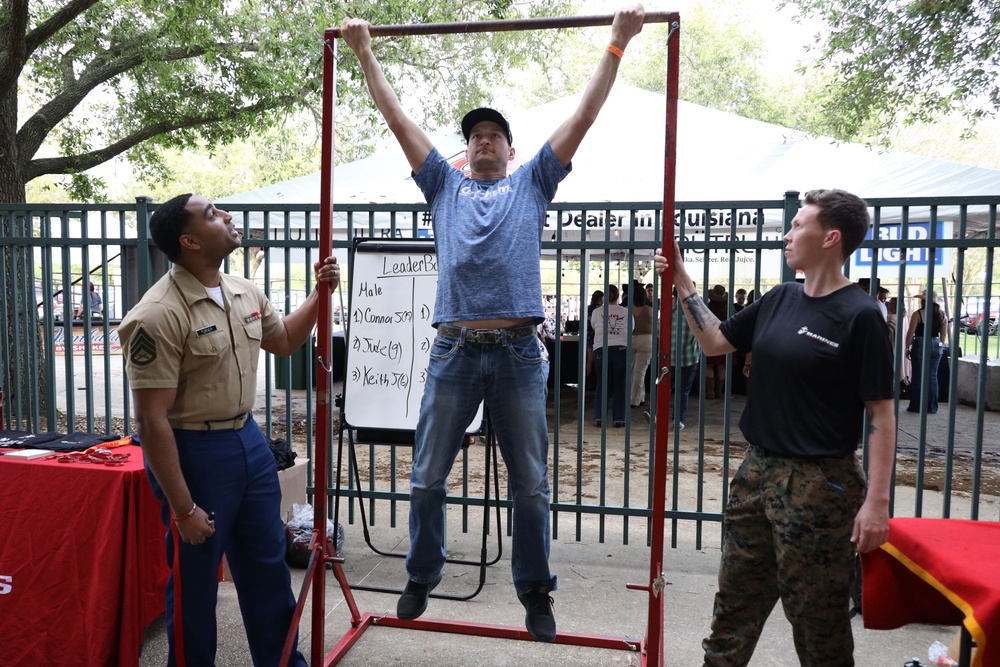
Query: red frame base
(474, 629)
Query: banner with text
(81, 340)
(916, 260)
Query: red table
(939, 571)
(82, 562)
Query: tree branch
(84, 161)
(12, 56)
(65, 67)
(34, 130)
(55, 23)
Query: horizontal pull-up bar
(508, 25)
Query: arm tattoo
(700, 313)
(871, 427)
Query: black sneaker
(539, 621)
(413, 602)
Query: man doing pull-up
(487, 230)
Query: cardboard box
(293, 486)
(955, 649)
(293, 490)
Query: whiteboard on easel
(389, 335)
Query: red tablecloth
(942, 571)
(82, 553)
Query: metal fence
(67, 373)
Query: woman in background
(895, 314)
(934, 326)
(642, 345)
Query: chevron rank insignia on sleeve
(142, 349)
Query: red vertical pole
(656, 593)
(323, 376)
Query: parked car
(977, 315)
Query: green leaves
(438, 77)
(133, 76)
(908, 61)
(723, 67)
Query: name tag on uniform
(253, 317)
(206, 330)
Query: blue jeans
(916, 358)
(688, 374)
(231, 473)
(617, 358)
(510, 376)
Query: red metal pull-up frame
(652, 646)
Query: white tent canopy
(721, 157)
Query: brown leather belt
(488, 336)
(233, 424)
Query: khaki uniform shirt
(178, 336)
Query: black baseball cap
(484, 113)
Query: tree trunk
(11, 180)
(24, 353)
(255, 253)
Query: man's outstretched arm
(567, 137)
(414, 141)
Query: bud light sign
(899, 250)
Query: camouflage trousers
(788, 530)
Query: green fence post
(791, 208)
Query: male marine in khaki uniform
(192, 345)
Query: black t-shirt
(815, 362)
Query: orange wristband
(615, 50)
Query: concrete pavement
(592, 599)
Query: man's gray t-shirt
(488, 236)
